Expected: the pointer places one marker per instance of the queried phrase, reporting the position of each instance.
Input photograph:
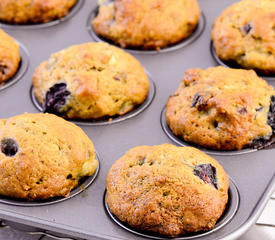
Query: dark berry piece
(199, 102)
(271, 113)
(3, 69)
(56, 97)
(207, 173)
(9, 147)
(242, 110)
(247, 28)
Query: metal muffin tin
(84, 216)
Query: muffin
(244, 34)
(39, 159)
(167, 190)
(148, 24)
(90, 81)
(9, 57)
(33, 11)
(224, 109)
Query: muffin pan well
(22, 68)
(231, 208)
(71, 13)
(111, 120)
(84, 183)
(198, 31)
(84, 216)
(234, 65)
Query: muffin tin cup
(235, 65)
(196, 34)
(71, 13)
(22, 68)
(84, 183)
(181, 142)
(229, 212)
(110, 120)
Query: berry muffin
(33, 11)
(9, 57)
(244, 34)
(39, 159)
(222, 108)
(167, 190)
(148, 24)
(90, 81)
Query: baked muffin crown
(221, 108)
(40, 159)
(244, 33)
(91, 80)
(33, 11)
(9, 57)
(148, 24)
(167, 189)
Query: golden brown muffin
(245, 34)
(42, 156)
(33, 11)
(90, 81)
(222, 108)
(9, 57)
(148, 24)
(168, 190)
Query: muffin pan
(111, 120)
(234, 65)
(83, 216)
(22, 68)
(198, 31)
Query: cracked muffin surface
(245, 34)
(168, 190)
(33, 11)
(222, 108)
(148, 24)
(9, 57)
(39, 159)
(90, 81)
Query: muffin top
(39, 159)
(222, 108)
(245, 34)
(33, 11)
(90, 81)
(9, 57)
(168, 190)
(147, 24)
